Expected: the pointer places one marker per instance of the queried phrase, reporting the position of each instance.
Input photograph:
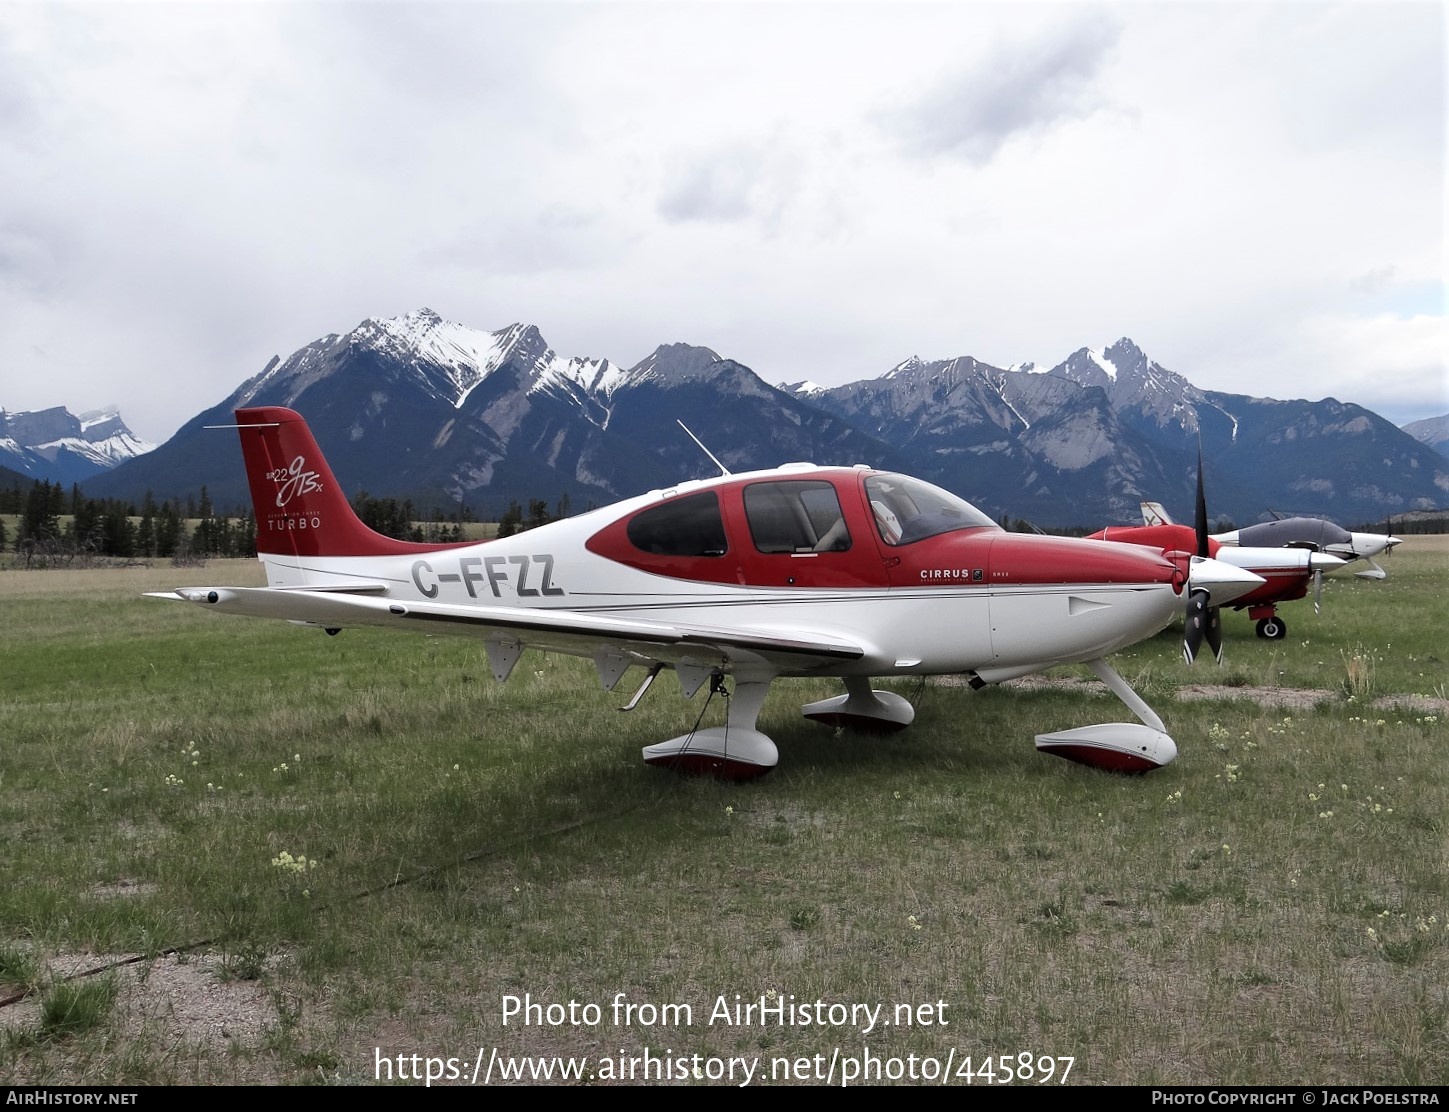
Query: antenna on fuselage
(723, 470)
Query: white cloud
(1011, 90)
(1388, 363)
(817, 191)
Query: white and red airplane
(798, 571)
(1313, 533)
(1285, 573)
(1286, 569)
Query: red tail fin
(300, 507)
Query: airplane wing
(574, 632)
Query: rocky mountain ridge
(59, 446)
(422, 408)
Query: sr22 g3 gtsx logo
(294, 481)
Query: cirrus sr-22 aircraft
(1286, 569)
(1312, 533)
(798, 571)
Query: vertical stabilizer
(300, 507)
(1154, 514)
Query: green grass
(74, 1007)
(1271, 908)
(18, 968)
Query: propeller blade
(1200, 510)
(1195, 626)
(1214, 633)
(1318, 590)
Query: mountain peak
(413, 322)
(104, 423)
(451, 357)
(1121, 366)
(39, 426)
(412, 327)
(103, 413)
(677, 361)
(1090, 367)
(522, 337)
(1125, 347)
(55, 444)
(1129, 359)
(805, 388)
(905, 366)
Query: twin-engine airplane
(1313, 533)
(797, 571)
(1286, 571)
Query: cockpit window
(796, 516)
(688, 526)
(909, 510)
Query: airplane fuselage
(965, 599)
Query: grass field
(242, 852)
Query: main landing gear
(739, 751)
(1270, 626)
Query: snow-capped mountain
(983, 430)
(60, 447)
(422, 408)
(1154, 400)
(1090, 437)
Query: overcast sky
(1253, 192)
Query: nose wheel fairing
(1115, 746)
(1112, 746)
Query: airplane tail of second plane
(300, 506)
(1154, 514)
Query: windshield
(908, 510)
